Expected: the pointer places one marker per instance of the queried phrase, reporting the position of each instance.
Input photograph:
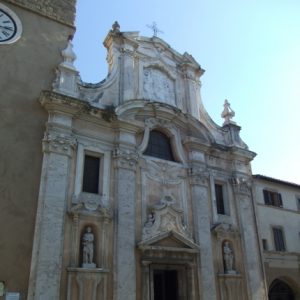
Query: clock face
(8, 27)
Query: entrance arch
(279, 290)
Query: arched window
(159, 146)
(279, 290)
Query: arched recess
(168, 129)
(280, 290)
(159, 146)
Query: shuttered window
(90, 183)
(159, 146)
(278, 239)
(272, 198)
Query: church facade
(133, 192)
(141, 193)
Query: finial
(155, 29)
(68, 55)
(227, 113)
(66, 73)
(116, 27)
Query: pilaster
(46, 265)
(201, 215)
(125, 267)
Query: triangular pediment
(169, 241)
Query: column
(201, 216)
(46, 263)
(125, 268)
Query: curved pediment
(165, 116)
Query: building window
(219, 190)
(272, 198)
(159, 146)
(298, 202)
(278, 239)
(265, 244)
(90, 182)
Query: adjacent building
(278, 216)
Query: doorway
(279, 290)
(165, 284)
(168, 282)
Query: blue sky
(249, 49)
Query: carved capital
(241, 186)
(59, 143)
(125, 159)
(198, 176)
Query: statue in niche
(88, 248)
(150, 220)
(228, 258)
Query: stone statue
(228, 258)
(88, 249)
(150, 220)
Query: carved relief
(158, 86)
(155, 122)
(90, 202)
(165, 172)
(225, 230)
(164, 218)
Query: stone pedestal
(87, 284)
(231, 287)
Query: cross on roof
(155, 29)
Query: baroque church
(120, 190)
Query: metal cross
(155, 29)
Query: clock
(10, 26)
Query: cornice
(58, 103)
(50, 9)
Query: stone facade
(278, 207)
(155, 221)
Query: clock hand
(7, 28)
